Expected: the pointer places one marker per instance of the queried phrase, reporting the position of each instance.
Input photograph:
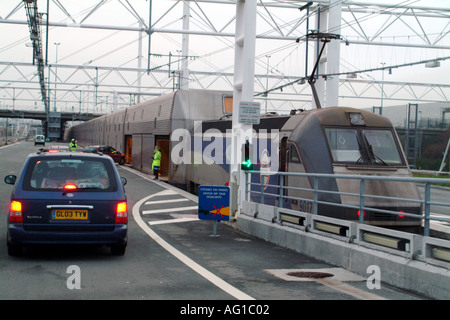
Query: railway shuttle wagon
(137, 129)
(338, 140)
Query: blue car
(67, 198)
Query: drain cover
(310, 274)
(338, 274)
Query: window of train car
(343, 144)
(294, 157)
(363, 146)
(383, 146)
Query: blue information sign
(214, 203)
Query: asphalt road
(171, 255)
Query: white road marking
(348, 289)
(166, 201)
(182, 215)
(169, 210)
(9, 145)
(169, 188)
(166, 192)
(223, 285)
(152, 223)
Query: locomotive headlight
(356, 119)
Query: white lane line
(9, 145)
(166, 201)
(348, 289)
(166, 192)
(181, 215)
(167, 221)
(223, 285)
(169, 189)
(168, 210)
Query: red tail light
(401, 215)
(121, 213)
(15, 212)
(69, 187)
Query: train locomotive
(336, 140)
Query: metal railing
(281, 195)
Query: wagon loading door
(142, 152)
(128, 149)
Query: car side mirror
(124, 181)
(10, 179)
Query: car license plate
(70, 214)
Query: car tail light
(121, 213)
(15, 212)
(401, 215)
(69, 187)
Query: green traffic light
(247, 165)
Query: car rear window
(54, 173)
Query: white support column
(184, 81)
(244, 73)
(333, 53)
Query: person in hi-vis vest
(73, 145)
(156, 162)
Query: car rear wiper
(78, 189)
(89, 188)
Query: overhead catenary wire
(301, 79)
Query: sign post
(214, 204)
(249, 112)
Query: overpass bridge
(41, 115)
(53, 122)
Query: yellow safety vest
(73, 146)
(156, 160)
